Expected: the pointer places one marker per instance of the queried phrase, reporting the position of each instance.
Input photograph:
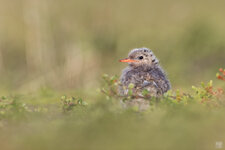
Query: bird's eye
(140, 57)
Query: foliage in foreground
(206, 94)
(176, 120)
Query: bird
(144, 73)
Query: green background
(70, 44)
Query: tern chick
(144, 72)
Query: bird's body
(152, 79)
(144, 72)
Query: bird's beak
(128, 60)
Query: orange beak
(128, 60)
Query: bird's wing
(159, 77)
(149, 83)
(152, 87)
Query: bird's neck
(144, 67)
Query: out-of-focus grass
(176, 120)
(105, 126)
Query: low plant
(11, 105)
(221, 74)
(69, 103)
(205, 94)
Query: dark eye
(140, 57)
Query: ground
(176, 121)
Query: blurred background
(68, 45)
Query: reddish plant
(221, 75)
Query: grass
(176, 121)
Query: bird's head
(141, 57)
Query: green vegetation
(174, 121)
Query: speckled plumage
(144, 73)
